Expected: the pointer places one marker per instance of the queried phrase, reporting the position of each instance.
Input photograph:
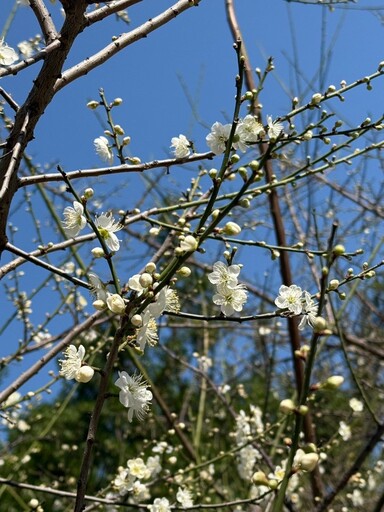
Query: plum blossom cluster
(299, 302)
(165, 300)
(248, 455)
(129, 479)
(248, 131)
(231, 296)
(75, 220)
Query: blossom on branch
(290, 298)
(181, 146)
(72, 366)
(249, 130)
(74, 219)
(134, 394)
(103, 149)
(7, 54)
(309, 311)
(107, 227)
(160, 505)
(224, 275)
(230, 299)
(218, 138)
(274, 128)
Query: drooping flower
(103, 150)
(309, 311)
(72, 366)
(274, 128)
(166, 300)
(7, 54)
(249, 130)
(97, 287)
(230, 299)
(181, 146)
(290, 298)
(184, 497)
(224, 275)
(74, 219)
(147, 333)
(218, 137)
(134, 394)
(107, 227)
(160, 505)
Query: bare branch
(45, 21)
(123, 41)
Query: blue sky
(193, 56)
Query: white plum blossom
(290, 298)
(160, 505)
(224, 274)
(181, 146)
(103, 150)
(135, 285)
(138, 469)
(356, 405)
(230, 299)
(310, 309)
(97, 287)
(274, 128)
(72, 365)
(184, 497)
(123, 481)
(218, 137)
(74, 219)
(248, 130)
(7, 54)
(134, 394)
(147, 333)
(107, 227)
(166, 300)
(344, 431)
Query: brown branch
(45, 21)
(29, 114)
(123, 41)
(285, 267)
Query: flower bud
(287, 406)
(154, 231)
(97, 252)
(308, 135)
(189, 244)
(333, 284)
(184, 271)
(135, 160)
(145, 280)
(231, 228)
(333, 382)
(116, 303)
(259, 478)
(93, 104)
(316, 98)
(118, 129)
(99, 304)
(150, 267)
(126, 141)
(88, 193)
(254, 165)
(309, 461)
(137, 321)
(338, 250)
(85, 374)
(319, 324)
(117, 101)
